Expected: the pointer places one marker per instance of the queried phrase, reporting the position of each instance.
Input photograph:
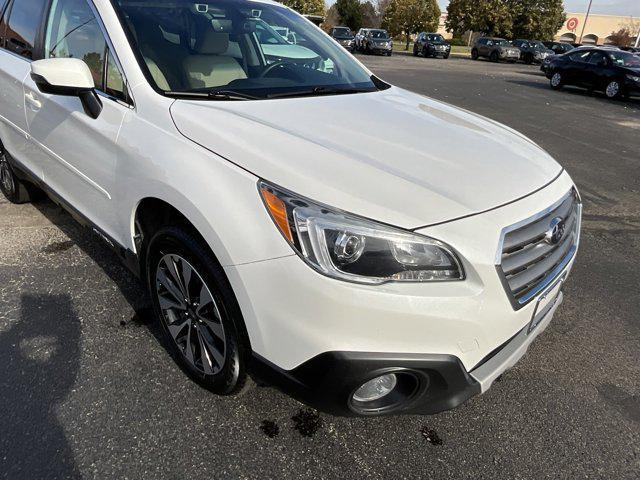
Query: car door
(79, 153)
(18, 37)
(575, 69)
(597, 70)
(485, 47)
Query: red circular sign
(572, 23)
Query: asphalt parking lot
(87, 389)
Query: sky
(606, 7)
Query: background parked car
(378, 41)
(431, 45)
(559, 47)
(495, 49)
(532, 51)
(359, 38)
(613, 71)
(344, 37)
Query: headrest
(212, 43)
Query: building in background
(597, 30)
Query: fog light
(376, 389)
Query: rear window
(22, 26)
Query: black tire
(183, 245)
(614, 94)
(14, 190)
(494, 56)
(528, 58)
(425, 52)
(474, 54)
(446, 55)
(389, 54)
(556, 81)
(415, 50)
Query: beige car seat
(209, 67)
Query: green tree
(491, 17)
(350, 13)
(538, 19)
(532, 19)
(406, 17)
(370, 16)
(622, 37)
(306, 7)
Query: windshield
(379, 34)
(342, 32)
(435, 38)
(538, 46)
(249, 48)
(501, 42)
(625, 59)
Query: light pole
(586, 18)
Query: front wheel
(494, 56)
(474, 54)
(446, 55)
(197, 310)
(556, 81)
(613, 90)
(11, 186)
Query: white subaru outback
(365, 248)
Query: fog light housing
(376, 389)
(387, 392)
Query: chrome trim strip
(557, 271)
(524, 222)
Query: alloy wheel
(6, 175)
(613, 89)
(191, 314)
(556, 80)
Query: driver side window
(73, 32)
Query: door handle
(32, 100)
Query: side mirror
(69, 77)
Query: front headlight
(634, 78)
(352, 248)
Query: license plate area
(545, 303)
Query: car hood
(340, 37)
(391, 155)
(632, 71)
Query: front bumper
(508, 55)
(328, 381)
(295, 315)
(380, 49)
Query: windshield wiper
(319, 91)
(230, 95)
(213, 95)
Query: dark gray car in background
(495, 49)
(377, 41)
(532, 51)
(431, 45)
(344, 37)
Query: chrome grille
(531, 257)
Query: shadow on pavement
(103, 256)
(39, 362)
